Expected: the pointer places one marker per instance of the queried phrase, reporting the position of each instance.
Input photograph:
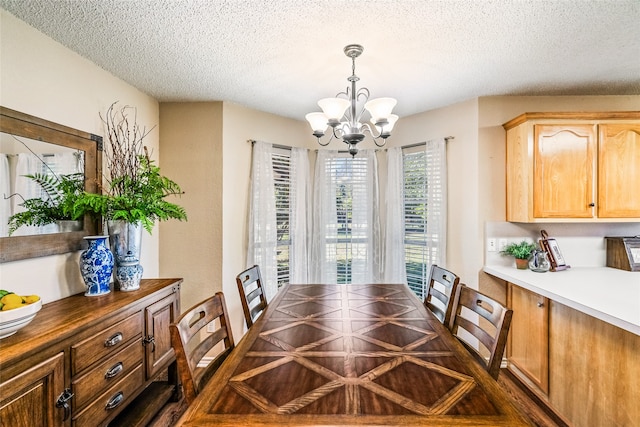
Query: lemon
(11, 299)
(7, 307)
(30, 299)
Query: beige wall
(43, 78)
(191, 146)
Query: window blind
(415, 217)
(282, 171)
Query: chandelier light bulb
(387, 127)
(333, 108)
(380, 108)
(318, 122)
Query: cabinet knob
(150, 339)
(591, 204)
(540, 304)
(63, 402)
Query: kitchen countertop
(608, 294)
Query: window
(424, 188)
(346, 225)
(281, 160)
(350, 178)
(415, 218)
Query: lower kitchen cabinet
(586, 369)
(528, 346)
(83, 360)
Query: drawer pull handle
(117, 338)
(115, 401)
(114, 370)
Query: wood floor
(535, 410)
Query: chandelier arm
(328, 141)
(363, 91)
(367, 128)
(384, 141)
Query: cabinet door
(158, 350)
(529, 336)
(564, 171)
(29, 398)
(619, 171)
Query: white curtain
(299, 219)
(325, 221)
(68, 163)
(262, 218)
(5, 192)
(25, 188)
(395, 270)
(366, 245)
(436, 170)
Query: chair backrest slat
(254, 301)
(441, 286)
(191, 343)
(493, 338)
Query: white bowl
(12, 320)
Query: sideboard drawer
(112, 401)
(109, 340)
(108, 372)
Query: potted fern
(58, 204)
(134, 193)
(521, 252)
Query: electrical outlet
(502, 243)
(492, 245)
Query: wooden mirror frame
(27, 126)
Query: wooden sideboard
(83, 360)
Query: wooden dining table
(350, 355)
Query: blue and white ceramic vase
(128, 273)
(126, 241)
(96, 265)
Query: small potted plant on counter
(521, 252)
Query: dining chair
(491, 332)
(192, 339)
(252, 295)
(441, 288)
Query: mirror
(52, 138)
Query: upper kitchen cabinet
(564, 167)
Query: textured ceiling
(282, 56)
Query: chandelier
(345, 112)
